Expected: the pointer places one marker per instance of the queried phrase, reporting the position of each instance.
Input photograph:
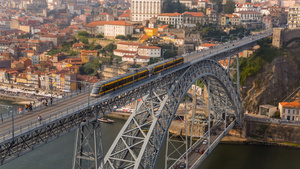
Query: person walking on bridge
(40, 119)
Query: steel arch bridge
(140, 140)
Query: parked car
(201, 151)
(182, 165)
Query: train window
(101, 90)
(104, 88)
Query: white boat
(105, 120)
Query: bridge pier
(88, 151)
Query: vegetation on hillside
(171, 7)
(229, 7)
(209, 32)
(90, 68)
(219, 4)
(265, 54)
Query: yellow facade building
(151, 31)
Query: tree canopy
(83, 33)
(170, 7)
(229, 7)
(218, 3)
(90, 68)
(110, 48)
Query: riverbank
(229, 139)
(16, 99)
(233, 137)
(119, 115)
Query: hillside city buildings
(40, 41)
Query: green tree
(218, 3)
(170, 54)
(75, 40)
(229, 7)
(170, 7)
(83, 33)
(91, 67)
(120, 37)
(100, 36)
(97, 47)
(84, 40)
(128, 37)
(153, 60)
(110, 48)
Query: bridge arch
(139, 141)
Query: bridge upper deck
(28, 122)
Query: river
(58, 154)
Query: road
(30, 118)
(195, 155)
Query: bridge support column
(88, 147)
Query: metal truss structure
(26, 141)
(139, 142)
(161, 97)
(88, 152)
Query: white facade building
(267, 110)
(187, 3)
(246, 7)
(249, 16)
(175, 19)
(141, 10)
(137, 59)
(110, 28)
(132, 49)
(151, 51)
(294, 16)
(114, 29)
(290, 110)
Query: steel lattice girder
(142, 149)
(33, 139)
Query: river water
(58, 154)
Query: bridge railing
(39, 105)
(34, 124)
(212, 146)
(197, 143)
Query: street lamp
(85, 83)
(222, 38)
(134, 65)
(163, 56)
(9, 109)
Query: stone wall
(283, 37)
(273, 131)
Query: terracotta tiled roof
(78, 45)
(149, 47)
(164, 26)
(294, 104)
(170, 14)
(119, 23)
(104, 13)
(248, 12)
(124, 51)
(127, 15)
(208, 45)
(129, 43)
(98, 23)
(197, 14)
(138, 57)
